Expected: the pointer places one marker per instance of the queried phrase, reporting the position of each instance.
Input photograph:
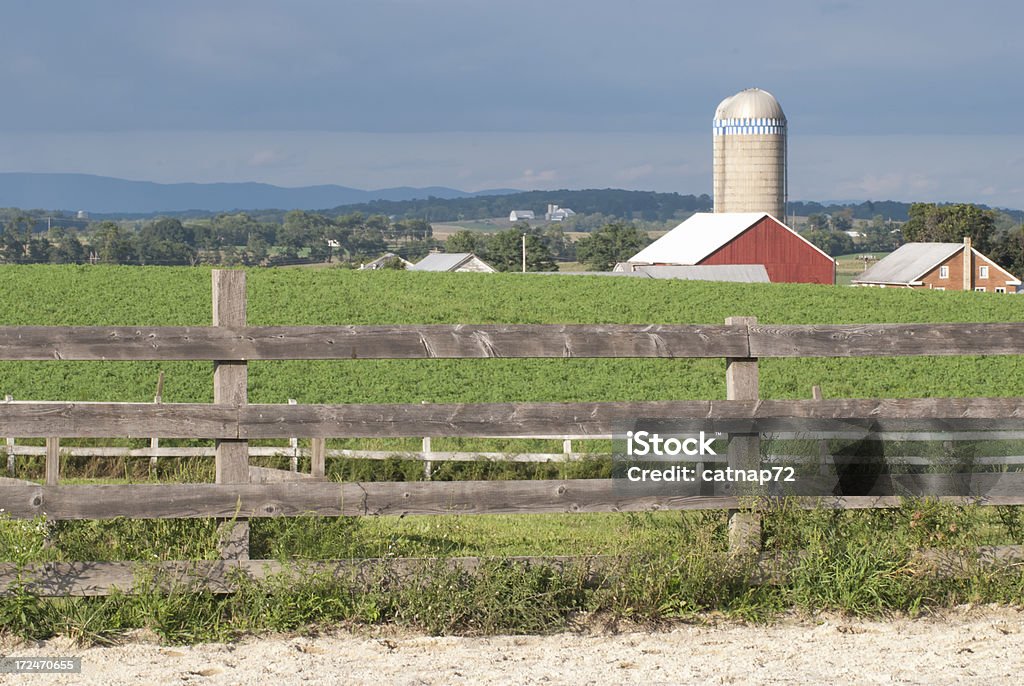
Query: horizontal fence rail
(456, 455)
(501, 420)
(188, 501)
(433, 341)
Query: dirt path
(983, 645)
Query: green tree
(832, 242)
(303, 229)
(505, 251)
(931, 223)
(467, 241)
(111, 243)
(612, 243)
(1008, 251)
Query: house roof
(702, 234)
(384, 258)
(443, 261)
(908, 263)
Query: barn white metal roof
(740, 273)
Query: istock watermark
(843, 458)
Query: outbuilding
(741, 238)
(451, 262)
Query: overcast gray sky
(908, 100)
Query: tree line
(227, 239)
(356, 237)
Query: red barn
(742, 238)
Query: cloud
(530, 176)
(635, 173)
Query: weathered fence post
(823, 451)
(742, 383)
(230, 387)
(52, 460)
(154, 442)
(318, 457)
(427, 465)
(10, 445)
(293, 443)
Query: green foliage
(832, 242)
(467, 241)
(504, 251)
(612, 243)
(929, 222)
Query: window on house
(1000, 289)
(940, 288)
(944, 272)
(979, 289)
(982, 272)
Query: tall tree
(931, 223)
(505, 251)
(467, 241)
(612, 243)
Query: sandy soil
(976, 645)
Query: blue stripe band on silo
(757, 125)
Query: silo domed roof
(752, 103)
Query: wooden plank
(9, 444)
(230, 378)
(235, 341)
(873, 340)
(241, 342)
(230, 387)
(268, 475)
(52, 460)
(221, 576)
(588, 420)
(742, 382)
(503, 420)
(147, 501)
(131, 420)
(318, 457)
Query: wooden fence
(241, 493)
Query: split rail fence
(241, 493)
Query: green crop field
(96, 295)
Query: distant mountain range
(104, 194)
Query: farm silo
(750, 154)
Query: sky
(904, 100)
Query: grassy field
(669, 565)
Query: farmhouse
(451, 262)
(939, 267)
(558, 214)
(741, 238)
(520, 215)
